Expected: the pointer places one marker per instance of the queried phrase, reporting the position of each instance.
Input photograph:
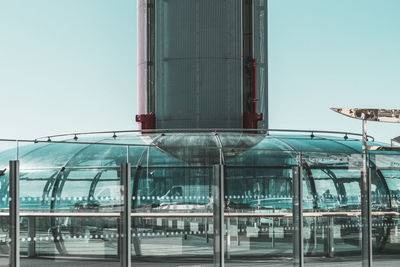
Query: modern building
(207, 181)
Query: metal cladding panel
(198, 64)
(142, 57)
(260, 53)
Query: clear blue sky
(70, 65)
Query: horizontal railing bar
(156, 167)
(238, 130)
(217, 149)
(204, 167)
(194, 214)
(70, 168)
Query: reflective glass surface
(71, 198)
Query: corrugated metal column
(126, 232)
(298, 259)
(14, 214)
(218, 209)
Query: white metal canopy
(370, 114)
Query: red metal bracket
(147, 121)
(250, 119)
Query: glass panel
(164, 189)
(176, 240)
(261, 198)
(73, 236)
(247, 159)
(8, 151)
(58, 195)
(385, 207)
(85, 190)
(99, 155)
(317, 143)
(167, 192)
(332, 208)
(49, 155)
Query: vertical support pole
(14, 214)
(273, 232)
(315, 232)
(119, 234)
(31, 235)
(228, 238)
(238, 231)
(126, 232)
(298, 243)
(207, 228)
(218, 210)
(330, 238)
(366, 239)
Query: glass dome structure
(172, 173)
(53, 173)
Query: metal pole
(366, 247)
(315, 232)
(207, 228)
(119, 234)
(31, 235)
(126, 232)
(330, 238)
(273, 233)
(228, 238)
(298, 243)
(218, 210)
(238, 231)
(14, 214)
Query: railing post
(126, 232)
(330, 238)
(14, 214)
(207, 228)
(366, 239)
(218, 210)
(238, 231)
(31, 235)
(118, 220)
(298, 243)
(273, 232)
(228, 238)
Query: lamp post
(382, 115)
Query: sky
(70, 65)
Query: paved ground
(382, 261)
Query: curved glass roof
(178, 148)
(72, 174)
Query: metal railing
(75, 135)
